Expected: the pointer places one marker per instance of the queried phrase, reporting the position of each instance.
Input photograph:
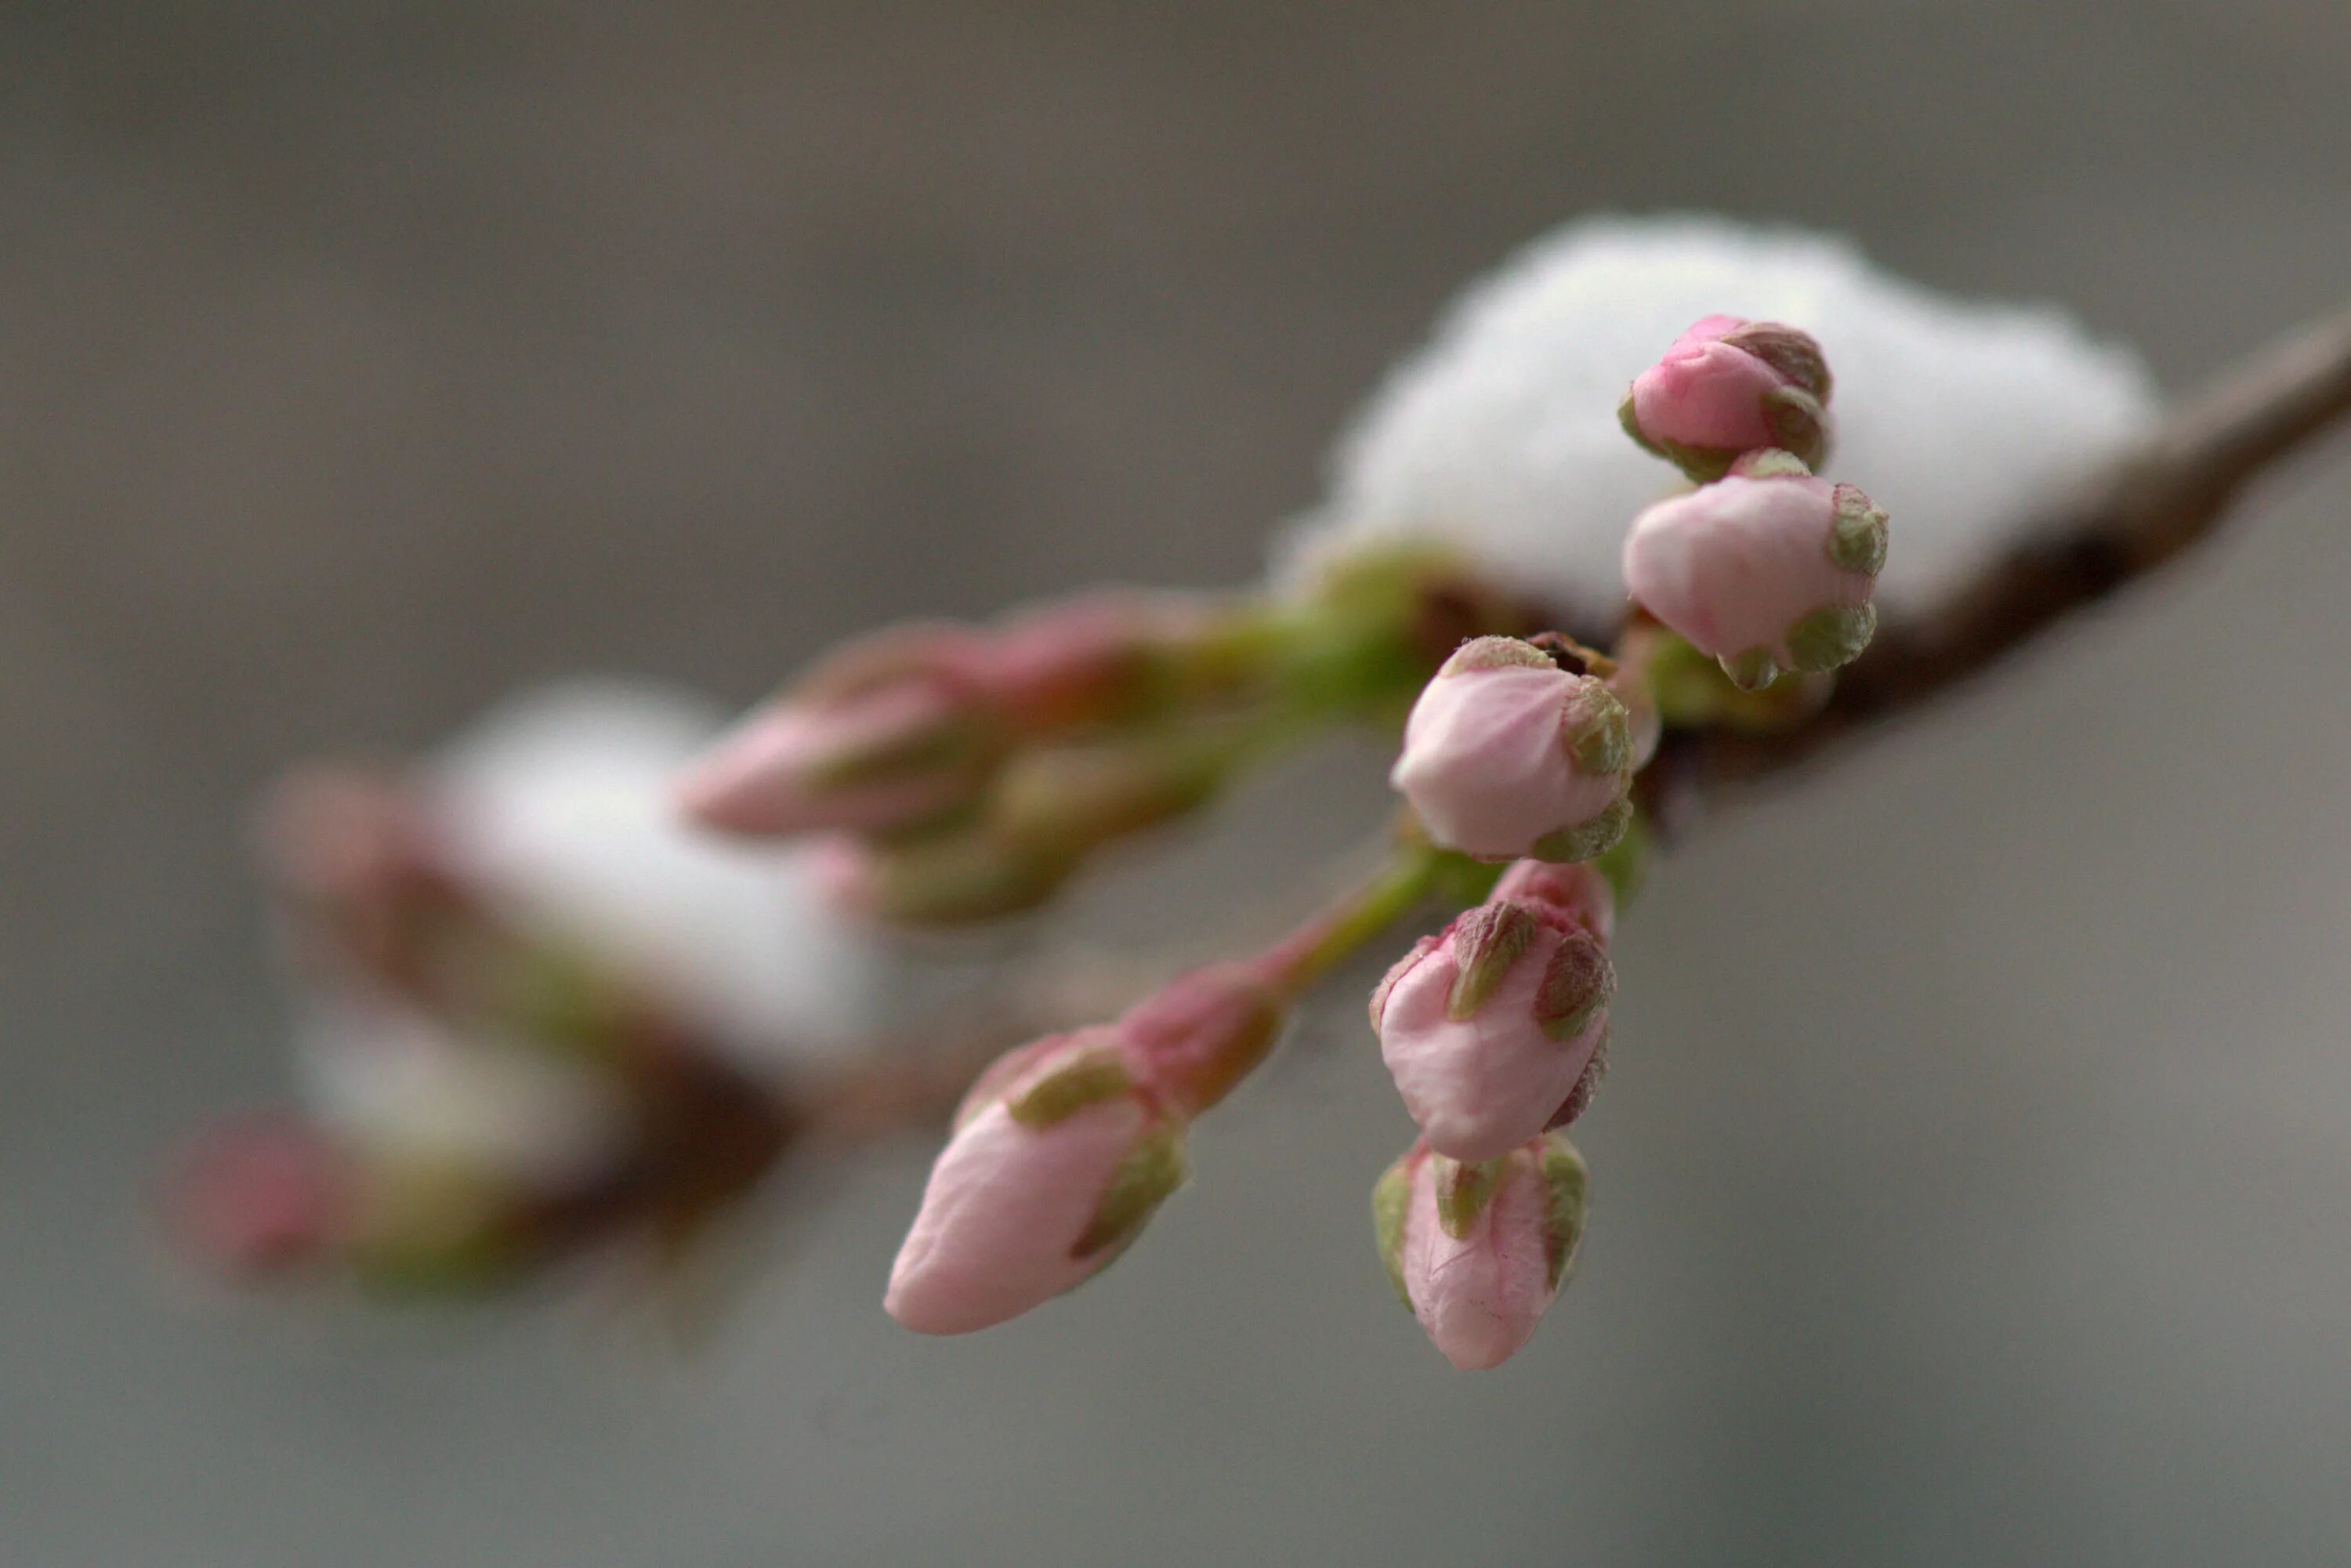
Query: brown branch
(2124, 523)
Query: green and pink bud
(1479, 1251)
(1490, 1028)
(885, 735)
(1769, 570)
(1728, 386)
(1508, 755)
(1061, 1153)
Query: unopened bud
(1067, 800)
(1769, 570)
(884, 736)
(1728, 386)
(1046, 1181)
(1508, 755)
(957, 877)
(1479, 1251)
(1092, 659)
(1487, 1029)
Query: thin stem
(1355, 919)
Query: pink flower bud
(1084, 660)
(953, 878)
(1769, 570)
(1058, 1157)
(1508, 755)
(1201, 1033)
(259, 1195)
(1488, 1028)
(1479, 1251)
(885, 735)
(1728, 386)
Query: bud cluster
(964, 773)
(1496, 1029)
(1765, 567)
(482, 1096)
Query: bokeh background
(1974, 1182)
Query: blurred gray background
(1974, 1181)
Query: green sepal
(1790, 351)
(1494, 654)
(1597, 731)
(1752, 671)
(1566, 1195)
(1799, 424)
(1632, 424)
(1487, 941)
(1858, 539)
(1831, 637)
(1770, 463)
(1577, 983)
(1090, 1080)
(1587, 838)
(1463, 1191)
(1152, 1169)
(1390, 1200)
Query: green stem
(1357, 919)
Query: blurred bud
(887, 733)
(1487, 1029)
(957, 877)
(1087, 661)
(1202, 1032)
(1769, 570)
(1507, 755)
(257, 1196)
(1064, 800)
(1056, 1162)
(362, 865)
(1728, 386)
(1479, 1251)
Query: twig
(2126, 522)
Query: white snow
(1501, 436)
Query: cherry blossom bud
(1479, 1251)
(1770, 569)
(259, 1195)
(1069, 798)
(1728, 386)
(885, 735)
(1086, 661)
(1507, 755)
(1201, 1033)
(1058, 1157)
(954, 878)
(1488, 1028)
